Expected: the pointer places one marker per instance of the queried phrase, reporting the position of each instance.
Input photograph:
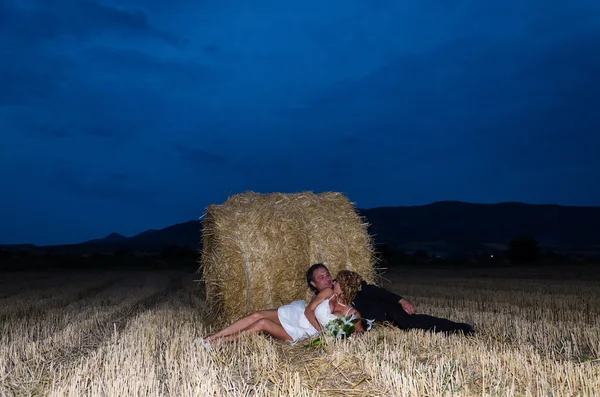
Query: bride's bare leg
(263, 325)
(245, 322)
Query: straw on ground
(132, 334)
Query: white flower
(341, 327)
(370, 324)
(348, 321)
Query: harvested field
(131, 333)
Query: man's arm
(407, 306)
(381, 293)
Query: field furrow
(28, 360)
(134, 335)
(32, 303)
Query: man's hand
(407, 306)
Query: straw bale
(257, 248)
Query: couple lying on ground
(347, 295)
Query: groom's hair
(309, 274)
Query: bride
(298, 321)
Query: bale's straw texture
(257, 248)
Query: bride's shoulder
(323, 295)
(327, 292)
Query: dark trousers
(401, 319)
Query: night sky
(120, 116)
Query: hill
(448, 226)
(466, 225)
(111, 238)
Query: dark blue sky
(128, 115)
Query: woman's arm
(309, 312)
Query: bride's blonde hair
(349, 284)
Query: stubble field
(132, 334)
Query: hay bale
(257, 248)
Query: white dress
(295, 323)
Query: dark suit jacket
(374, 302)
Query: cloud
(103, 92)
(198, 157)
(469, 79)
(25, 77)
(56, 121)
(80, 18)
(20, 84)
(107, 184)
(483, 106)
(41, 44)
(55, 132)
(211, 49)
(136, 66)
(101, 132)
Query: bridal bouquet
(341, 327)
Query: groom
(379, 304)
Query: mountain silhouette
(111, 238)
(465, 224)
(447, 225)
(186, 233)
